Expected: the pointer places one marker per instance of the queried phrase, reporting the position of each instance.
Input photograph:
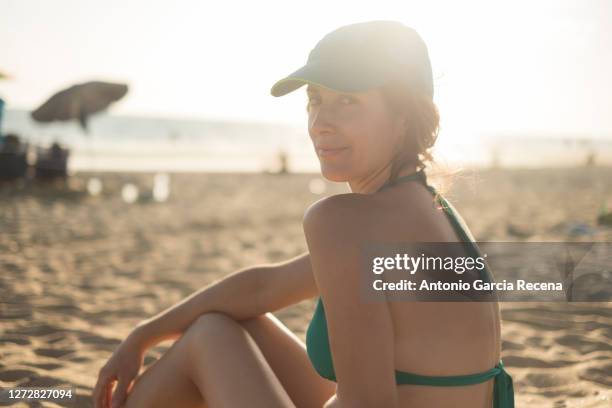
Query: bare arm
(360, 332)
(244, 294)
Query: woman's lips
(330, 152)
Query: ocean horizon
(140, 143)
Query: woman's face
(354, 134)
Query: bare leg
(166, 382)
(228, 367)
(169, 381)
(286, 354)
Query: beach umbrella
(79, 102)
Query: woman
(371, 119)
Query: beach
(78, 272)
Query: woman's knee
(211, 323)
(213, 318)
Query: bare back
(435, 338)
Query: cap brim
(287, 85)
(308, 74)
(324, 76)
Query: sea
(131, 143)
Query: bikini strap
(457, 222)
(503, 389)
(418, 176)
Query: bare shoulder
(335, 228)
(395, 216)
(341, 214)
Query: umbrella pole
(92, 154)
(94, 183)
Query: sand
(78, 272)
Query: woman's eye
(344, 100)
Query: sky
(533, 66)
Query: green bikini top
(317, 337)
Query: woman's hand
(122, 367)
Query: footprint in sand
(20, 340)
(55, 353)
(11, 311)
(16, 375)
(36, 330)
(534, 341)
(45, 366)
(530, 362)
(583, 344)
(599, 375)
(79, 359)
(101, 343)
(93, 339)
(546, 380)
(562, 390)
(510, 345)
